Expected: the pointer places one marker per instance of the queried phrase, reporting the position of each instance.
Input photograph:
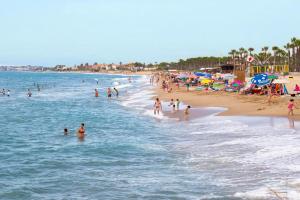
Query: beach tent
(260, 80)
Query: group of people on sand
(5, 92)
(80, 132)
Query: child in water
(96, 93)
(291, 107)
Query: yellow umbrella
(206, 81)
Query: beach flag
(250, 59)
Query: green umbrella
(272, 77)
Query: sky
(51, 32)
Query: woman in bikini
(157, 106)
(81, 132)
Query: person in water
(81, 131)
(117, 92)
(108, 93)
(29, 94)
(291, 107)
(66, 131)
(187, 110)
(8, 93)
(177, 104)
(96, 93)
(157, 106)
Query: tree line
(289, 54)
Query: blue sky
(50, 32)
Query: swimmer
(81, 131)
(108, 93)
(29, 94)
(8, 93)
(157, 106)
(66, 131)
(96, 93)
(117, 92)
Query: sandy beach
(236, 104)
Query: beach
(130, 153)
(234, 103)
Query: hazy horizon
(75, 31)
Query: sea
(128, 152)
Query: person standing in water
(108, 93)
(187, 112)
(157, 106)
(81, 132)
(177, 104)
(117, 92)
(291, 107)
(96, 93)
(29, 94)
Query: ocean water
(129, 153)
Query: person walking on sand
(96, 93)
(81, 131)
(291, 107)
(269, 95)
(157, 106)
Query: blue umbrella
(260, 80)
(207, 75)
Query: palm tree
(250, 50)
(288, 47)
(275, 51)
(233, 52)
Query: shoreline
(235, 104)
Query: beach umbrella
(272, 76)
(199, 73)
(237, 82)
(281, 81)
(260, 80)
(207, 75)
(228, 76)
(206, 81)
(182, 76)
(193, 76)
